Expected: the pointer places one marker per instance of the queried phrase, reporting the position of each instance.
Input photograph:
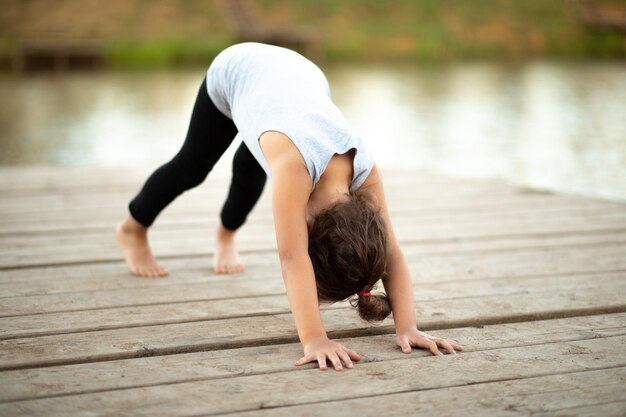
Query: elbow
(290, 260)
(394, 252)
(289, 255)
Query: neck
(333, 185)
(325, 194)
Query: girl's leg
(245, 189)
(209, 135)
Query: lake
(545, 124)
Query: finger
(321, 361)
(446, 345)
(305, 359)
(424, 343)
(352, 354)
(343, 355)
(432, 346)
(405, 346)
(334, 359)
(455, 344)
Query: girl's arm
(291, 188)
(398, 284)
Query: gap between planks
(430, 276)
(105, 345)
(105, 376)
(486, 244)
(291, 388)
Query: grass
(164, 53)
(180, 33)
(451, 29)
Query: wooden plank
(78, 312)
(88, 247)
(427, 374)
(435, 258)
(26, 179)
(198, 244)
(434, 248)
(115, 275)
(590, 393)
(278, 328)
(266, 278)
(169, 369)
(425, 265)
(611, 408)
(423, 199)
(216, 301)
(75, 220)
(86, 204)
(99, 221)
(429, 258)
(526, 262)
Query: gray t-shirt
(267, 88)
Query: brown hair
(348, 249)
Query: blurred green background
(529, 91)
(167, 33)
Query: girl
(334, 235)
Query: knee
(190, 175)
(252, 182)
(195, 178)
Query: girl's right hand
(323, 348)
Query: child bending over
(335, 238)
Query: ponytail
(372, 307)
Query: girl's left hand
(413, 337)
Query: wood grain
(533, 284)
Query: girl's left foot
(132, 237)
(226, 260)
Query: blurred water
(551, 125)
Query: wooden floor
(533, 284)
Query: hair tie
(363, 293)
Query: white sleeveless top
(268, 88)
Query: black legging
(209, 135)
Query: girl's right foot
(132, 237)
(226, 259)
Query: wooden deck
(533, 284)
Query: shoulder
(374, 180)
(282, 155)
(373, 186)
(280, 151)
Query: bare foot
(132, 237)
(226, 259)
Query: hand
(322, 348)
(413, 337)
